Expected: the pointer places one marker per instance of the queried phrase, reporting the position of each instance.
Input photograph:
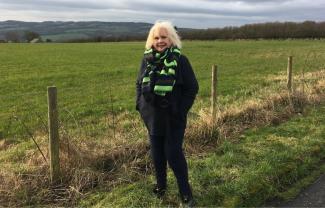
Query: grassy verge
(262, 164)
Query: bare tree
(30, 35)
(12, 36)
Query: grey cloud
(265, 1)
(192, 13)
(57, 4)
(224, 10)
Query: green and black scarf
(160, 74)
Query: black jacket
(156, 118)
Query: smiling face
(161, 40)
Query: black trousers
(169, 149)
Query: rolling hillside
(58, 31)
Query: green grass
(93, 77)
(263, 164)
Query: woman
(166, 89)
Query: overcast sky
(183, 13)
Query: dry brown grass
(84, 166)
(4, 144)
(122, 158)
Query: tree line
(22, 36)
(274, 30)
(114, 38)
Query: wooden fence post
(214, 92)
(289, 74)
(53, 134)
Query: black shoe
(188, 201)
(159, 191)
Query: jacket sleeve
(138, 84)
(190, 86)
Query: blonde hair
(171, 31)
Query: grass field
(92, 78)
(104, 149)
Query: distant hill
(95, 31)
(60, 31)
